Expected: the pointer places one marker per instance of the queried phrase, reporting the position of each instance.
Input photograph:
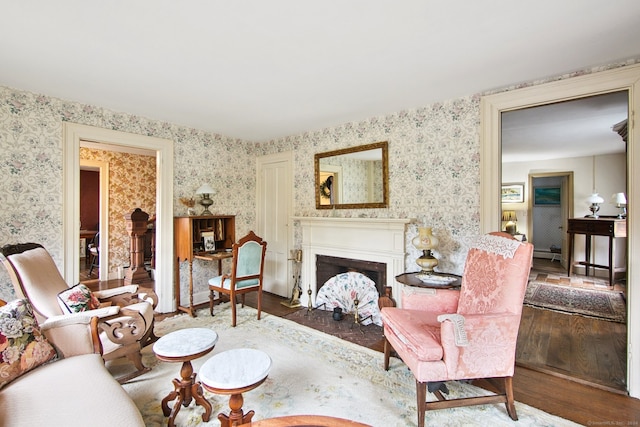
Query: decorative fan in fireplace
(344, 289)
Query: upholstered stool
(235, 372)
(184, 346)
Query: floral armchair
(448, 335)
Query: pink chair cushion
(419, 331)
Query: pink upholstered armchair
(469, 334)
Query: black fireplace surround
(329, 266)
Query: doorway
(73, 134)
(547, 223)
(93, 221)
(492, 106)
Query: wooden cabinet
(189, 233)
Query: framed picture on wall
(208, 241)
(546, 196)
(513, 193)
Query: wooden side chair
(246, 274)
(124, 329)
(471, 334)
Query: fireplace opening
(329, 266)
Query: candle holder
(356, 316)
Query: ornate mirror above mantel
(353, 178)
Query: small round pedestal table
(184, 346)
(235, 372)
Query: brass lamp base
(427, 262)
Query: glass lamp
(620, 200)
(595, 201)
(510, 218)
(426, 241)
(205, 191)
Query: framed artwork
(208, 241)
(513, 193)
(546, 196)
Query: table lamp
(510, 218)
(620, 200)
(595, 201)
(205, 191)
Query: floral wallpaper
(434, 169)
(132, 184)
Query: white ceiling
(259, 70)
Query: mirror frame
(384, 145)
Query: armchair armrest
(490, 349)
(108, 293)
(72, 335)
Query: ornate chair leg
(387, 354)
(511, 407)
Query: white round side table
(184, 346)
(235, 372)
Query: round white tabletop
(235, 369)
(185, 342)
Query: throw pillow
(22, 345)
(78, 298)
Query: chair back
(248, 261)
(495, 275)
(35, 276)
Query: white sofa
(75, 390)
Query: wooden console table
(601, 226)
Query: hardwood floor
(552, 393)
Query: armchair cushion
(417, 330)
(77, 298)
(22, 345)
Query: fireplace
(371, 241)
(329, 266)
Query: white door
(274, 209)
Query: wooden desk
(189, 245)
(610, 227)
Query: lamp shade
(205, 189)
(595, 198)
(619, 199)
(509, 216)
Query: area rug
(312, 373)
(606, 305)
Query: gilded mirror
(353, 178)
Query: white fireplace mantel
(368, 239)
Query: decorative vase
(337, 314)
(425, 241)
(191, 211)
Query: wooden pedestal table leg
(236, 416)
(183, 346)
(185, 390)
(234, 372)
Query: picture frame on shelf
(208, 241)
(512, 192)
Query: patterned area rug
(312, 373)
(606, 305)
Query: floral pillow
(78, 298)
(22, 345)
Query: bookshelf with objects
(206, 237)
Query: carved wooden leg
(198, 395)
(421, 393)
(211, 295)
(236, 416)
(387, 353)
(511, 407)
